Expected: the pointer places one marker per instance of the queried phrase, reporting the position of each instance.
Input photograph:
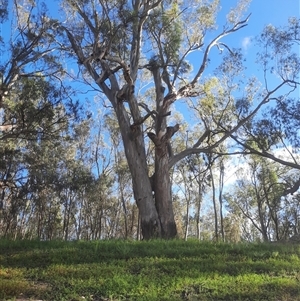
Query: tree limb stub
(158, 141)
(171, 130)
(105, 75)
(142, 120)
(154, 138)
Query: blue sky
(263, 12)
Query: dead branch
(293, 189)
(143, 119)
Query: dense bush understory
(155, 270)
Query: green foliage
(207, 14)
(259, 196)
(235, 15)
(35, 107)
(279, 44)
(59, 181)
(3, 12)
(165, 29)
(156, 270)
(172, 32)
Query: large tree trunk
(157, 219)
(133, 140)
(163, 192)
(162, 186)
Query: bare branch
(171, 130)
(236, 27)
(188, 152)
(85, 17)
(202, 138)
(227, 133)
(7, 127)
(265, 154)
(293, 189)
(145, 107)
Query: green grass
(154, 270)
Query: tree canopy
(142, 58)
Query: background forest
(82, 123)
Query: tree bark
(221, 186)
(161, 139)
(198, 219)
(162, 191)
(156, 216)
(132, 137)
(214, 202)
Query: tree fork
(161, 183)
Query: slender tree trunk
(263, 226)
(200, 180)
(125, 214)
(79, 224)
(67, 217)
(214, 203)
(121, 196)
(188, 202)
(221, 185)
(187, 223)
(138, 229)
(273, 209)
(261, 215)
(198, 222)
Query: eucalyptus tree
(277, 125)
(28, 48)
(30, 104)
(232, 228)
(35, 114)
(116, 42)
(260, 196)
(186, 188)
(200, 174)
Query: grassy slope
(155, 270)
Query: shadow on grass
(155, 270)
(226, 258)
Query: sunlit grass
(155, 270)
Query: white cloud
(246, 42)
